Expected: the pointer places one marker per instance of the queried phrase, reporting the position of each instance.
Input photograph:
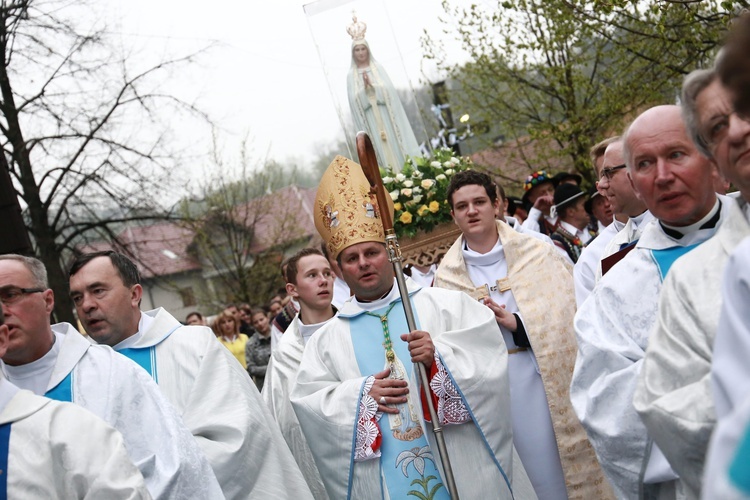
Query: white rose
(406, 192)
(400, 177)
(408, 183)
(454, 161)
(417, 198)
(447, 164)
(436, 164)
(387, 180)
(440, 177)
(428, 183)
(450, 171)
(417, 174)
(394, 194)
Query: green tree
(563, 74)
(82, 130)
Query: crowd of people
(569, 345)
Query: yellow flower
(434, 206)
(397, 206)
(422, 210)
(405, 218)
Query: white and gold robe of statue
(220, 405)
(552, 444)
(277, 388)
(50, 449)
(120, 393)
(613, 327)
(673, 394)
(329, 391)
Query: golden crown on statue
(357, 29)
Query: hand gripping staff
(369, 164)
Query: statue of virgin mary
(375, 106)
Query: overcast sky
(264, 76)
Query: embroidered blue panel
(145, 357)
(666, 257)
(739, 469)
(4, 450)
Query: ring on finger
(382, 400)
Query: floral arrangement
(419, 191)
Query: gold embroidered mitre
(345, 211)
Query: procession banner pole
(369, 163)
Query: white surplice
(59, 450)
(673, 395)
(584, 271)
(277, 388)
(122, 394)
(730, 375)
(329, 384)
(222, 408)
(612, 327)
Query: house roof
(161, 249)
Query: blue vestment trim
(666, 257)
(4, 451)
(739, 469)
(62, 391)
(145, 357)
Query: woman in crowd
(258, 348)
(227, 330)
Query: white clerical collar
(572, 229)
(7, 391)
(639, 219)
(697, 225)
(382, 302)
(143, 325)
(307, 331)
(474, 258)
(35, 376)
(619, 226)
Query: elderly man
(201, 378)
(673, 396)
(529, 290)
(310, 282)
(356, 395)
(37, 434)
(675, 182)
(58, 362)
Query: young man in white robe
(675, 182)
(528, 288)
(206, 384)
(38, 435)
(356, 395)
(673, 396)
(58, 362)
(310, 283)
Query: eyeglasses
(12, 294)
(609, 172)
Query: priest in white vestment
(309, 282)
(38, 435)
(674, 396)
(205, 383)
(528, 287)
(356, 395)
(726, 471)
(675, 182)
(58, 362)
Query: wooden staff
(369, 164)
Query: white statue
(375, 106)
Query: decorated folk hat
(536, 179)
(346, 212)
(565, 194)
(561, 177)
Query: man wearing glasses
(57, 362)
(676, 182)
